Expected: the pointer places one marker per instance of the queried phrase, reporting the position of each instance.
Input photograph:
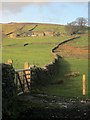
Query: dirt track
(71, 51)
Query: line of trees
(77, 26)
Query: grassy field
(27, 26)
(72, 86)
(38, 52)
(75, 65)
(81, 42)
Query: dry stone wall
(45, 75)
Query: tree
(81, 22)
(72, 28)
(78, 25)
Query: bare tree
(72, 28)
(81, 22)
(78, 25)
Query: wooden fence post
(10, 61)
(84, 84)
(26, 66)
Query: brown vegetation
(71, 51)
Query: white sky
(44, 0)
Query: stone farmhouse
(49, 33)
(30, 33)
(39, 34)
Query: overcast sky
(43, 12)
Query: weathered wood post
(84, 84)
(10, 62)
(27, 74)
(26, 66)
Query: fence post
(26, 66)
(84, 84)
(27, 74)
(10, 61)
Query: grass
(38, 52)
(41, 27)
(71, 87)
(59, 28)
(80, 42)
(10, 27)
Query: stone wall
(45, 75)
(8, 88)
(65, 41)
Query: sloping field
(74, 60)
(38, 52)
(7, 28)
(27, 26)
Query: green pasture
(71, 86)
(80, 42)
(27, 26)
(37, 52)
(56, 28)
(10, 27)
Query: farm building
(39, 34)
(28, 33)
(49, 33)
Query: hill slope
(38, 52)
(35, 27)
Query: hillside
(74, 54)
(31, 29)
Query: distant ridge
(31, 23)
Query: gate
(22, 80)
